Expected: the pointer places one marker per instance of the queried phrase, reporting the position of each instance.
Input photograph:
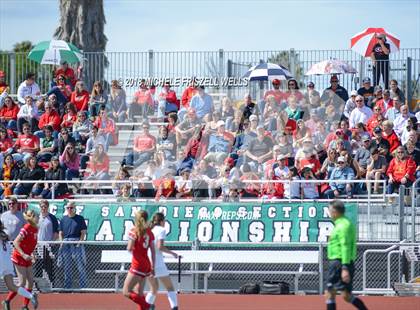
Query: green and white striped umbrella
(54, 51)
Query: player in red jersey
(22, 256)
(140, 240)
(7, 271)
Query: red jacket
(96, 167)
(304, 162)
(393, 140)
(399, 168)
(68, 120)
(51, 117)
(372, 123)
(188, 93)
(5, 144)
(80, 100)
(170, 97)
(164, 187)
(68, 74)
(273, 190)
(381, 104)
(11, 113)
(108, 128)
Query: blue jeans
(72, 255)
(136, 159)
(21, 156)
(108, 140)
(70, 173)
(329, 193)
(395, 186)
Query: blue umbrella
(267, 71)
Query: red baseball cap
(230, 161)
(276, 82)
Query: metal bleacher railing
(130, 67)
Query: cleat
(34, 300)
(6, 304)
(175, 308)
(152, 307)
(25, 308)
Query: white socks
(23, 292)
(173, 301)
(150, 298)
(172, 297)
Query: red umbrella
(364, 42)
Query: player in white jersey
(161, 271)
(7, 271)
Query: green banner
(214, 222)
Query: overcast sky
(231, 25)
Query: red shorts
(140, 270)
(20, 261)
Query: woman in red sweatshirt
(8, 113)
(401, 170)
(80, 97)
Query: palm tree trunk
(82, 23)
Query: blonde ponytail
(31, 217)
(140, 222)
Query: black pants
(381, 68)
(45, 264)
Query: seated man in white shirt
(401, 120)
(360, 114)
(28, 87)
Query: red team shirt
(26, 141)
(28, 244)
(140, 263)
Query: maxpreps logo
(218, 214)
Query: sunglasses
(359, 100)
(335, 81)
(69, 208)
(341, 162)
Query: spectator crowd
(246, 148)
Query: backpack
(250, 288)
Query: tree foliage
(289, 60)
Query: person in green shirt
(342, 253)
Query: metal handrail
(134, 182)
(389, 251)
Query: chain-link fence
(77, 267)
